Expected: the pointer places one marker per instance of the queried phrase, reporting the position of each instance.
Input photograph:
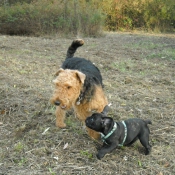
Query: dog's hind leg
(60, 116)
(129, 144)
(144, 140)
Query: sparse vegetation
(87, 154)
(136, 83)
(50, 17)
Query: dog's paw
(62, 125)
(147, 149)
(99, 156)
(147, 152)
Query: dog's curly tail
(73, 47)
(148, 121)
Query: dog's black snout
(57, 103)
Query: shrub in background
(51, 16)
(87, 17)
(150, 15)
(159, 15)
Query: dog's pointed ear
(80, 76)
(105, 110)
(59, 71)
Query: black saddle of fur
(85, 66)
(93, 75)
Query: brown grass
(139, 78)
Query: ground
(139, 77)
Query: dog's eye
(68, 87)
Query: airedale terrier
(78, 85)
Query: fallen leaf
(65, 146)
(45, 130)
(139, 163)
(56, 158)
(166, 164)
(3, 112)
(123, 104)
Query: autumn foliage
(88, 17)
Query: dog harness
(103, 137)
(124, 139)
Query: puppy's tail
(148, 121)
(73, 47)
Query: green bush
(159, 15)
(152, 15)
(51, 16)
(86, 17)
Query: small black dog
(119, 133)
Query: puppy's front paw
(99, 156)
(148, 150)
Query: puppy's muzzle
(88, 121)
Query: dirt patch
(139, 78)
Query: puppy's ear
(106, 121)
(59, 71)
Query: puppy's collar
(103, 137)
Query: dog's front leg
(93, 134)
(60, 116)
(106, 149)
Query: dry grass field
(139, 77)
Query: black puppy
(119, 133)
